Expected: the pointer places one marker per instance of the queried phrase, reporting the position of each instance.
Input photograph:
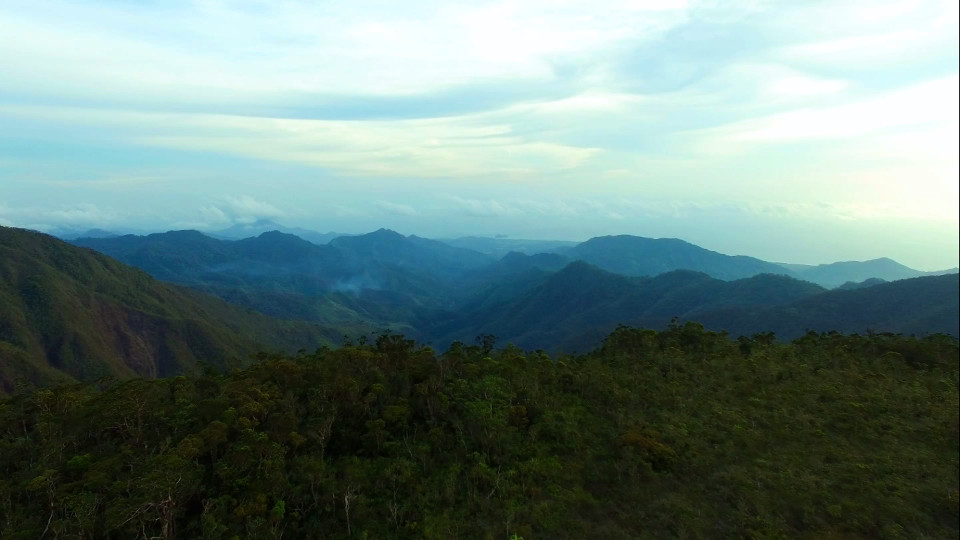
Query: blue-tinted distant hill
(240, 231)
(439, 293)
(72, 233)
(836, 274)
(920, 306)
(412, 252)
(639, 256)
(357, 283)
(851, 285)
(573, 308)
(498, 247)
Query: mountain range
(69, 312)
(240, 231)
(573, 309)
(439, 292)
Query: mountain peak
(385, 233)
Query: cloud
(230, 210)
(246, 209)
(929, 105)
(230, 54)
(80, 215)
(519, 207)
(482, 208)
(470, 145)
(396, 209)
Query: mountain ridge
(72, 313)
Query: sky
(794, 131)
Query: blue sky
(803, 132)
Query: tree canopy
(681, 433)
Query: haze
(802, 132)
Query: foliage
(67, 312)
(681, 433)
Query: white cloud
(467, 145)
(212, 52)
(926, 103)
(481, 208)
(396, 208)
(247, 209)
(80, 215)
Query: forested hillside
(68, 313)
(683, 433)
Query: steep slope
(638, 256)
(920, 306)
(67, 312)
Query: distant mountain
(439, 293)
(573, 308)
(920, 306)
(511, 264)
(359, 283)
(498, 247)
(171, 256)
(851, 285)
(639, 256)
(247, 230)
(69, 233)
(67, 312)
(410, 252)
(836, 274)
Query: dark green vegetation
(682, 433)
(438, 293)
(69, 313)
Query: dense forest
(681, 433)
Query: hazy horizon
(794, 132)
